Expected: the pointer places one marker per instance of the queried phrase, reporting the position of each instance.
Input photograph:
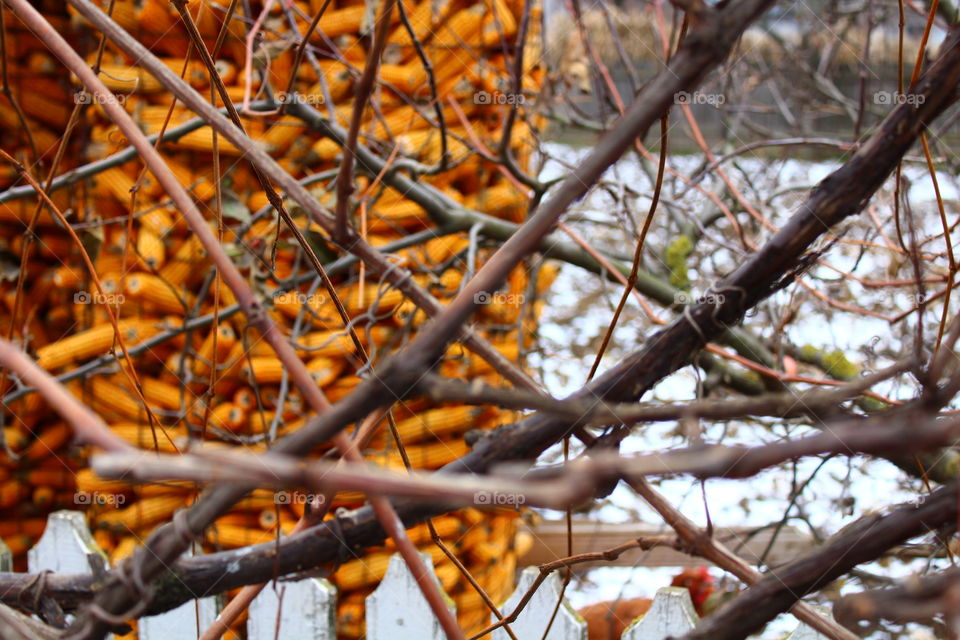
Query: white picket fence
(305, 609)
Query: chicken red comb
(698, 582)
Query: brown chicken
(608, 620)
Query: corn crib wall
(396, 609)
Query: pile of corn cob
(205, 374)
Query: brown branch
(89, 427)
(916, 599)
(285, 471)
(863, 541)
(361, 97)
(597, 411)
(163, 547)
(16, 626)
(838, 196)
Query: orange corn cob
(435, 423)
(104, 540)
(53, 477)
(499, 24)
(19, 543)
(150, 248)
(15, 438)
(186, 261)
(461, 30)
(157, 293)
(424, 456)
(324, 370)
(13, 492)
(94, 341)
(32, 527)
(339, 82)
(116, 183)
(225, 338)
(232, 537)
(424, 19)
(141, 514)
(161, 394)
(263, 369)
(124, 548)
(281, 133)
(140, 435)
(156, 16)
(50, 439)
(342, 21)
(228, 416)
(43, 497)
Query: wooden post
(6, 557)
(187, 621)
(66, 546)
(294, 610)
(533, 620)
(397, 608)
(671, 614)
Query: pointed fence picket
(305, 609)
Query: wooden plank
(188, 621)
(539, 612)
(397, 608)
(670, 615)
(6, 558)
(550, 543)
(66, 546)
(306, 611)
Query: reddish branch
(713, 30)
(860, 542)
(88, 426)
(706, 47)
